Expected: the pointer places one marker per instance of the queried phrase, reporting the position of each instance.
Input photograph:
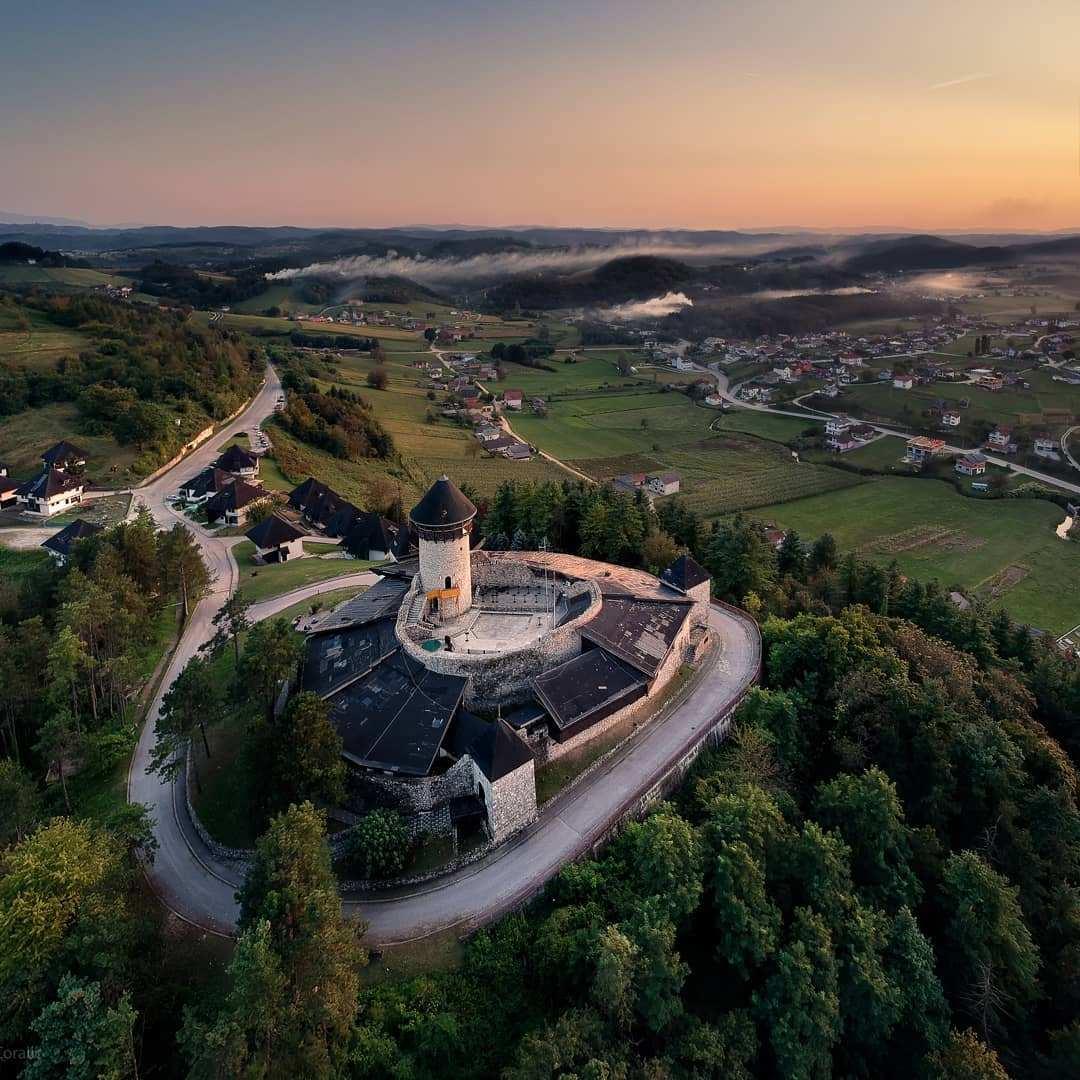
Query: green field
(258, 582)
(73, 277)
(35, 343)
(1006, 549)
(1047, 404)
(764, 425)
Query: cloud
(657, 308)
(974, 77)
(502, 264)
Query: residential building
(239, 461)
(903, 382)
(63, 456)
(1001, 439)
(1044, 446)
(922, 449)
(230, 506)
(60, 544)
(50, 492)
(277, 539)
(973, 464)
(950, 418)
(513, 399)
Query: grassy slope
(258, 582)
(977, 540)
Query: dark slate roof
(337, 656)
(303, 493)
(371, 531)
(235, 496)
(323, 506)
(236, 458)
(49, 483)
(396, 717)
(444, 504)
(637, 630)
(492, 744)
(382, 599)
(684, 573)
(273, 531)
(210, 481)
(523, 716)
(404, 569)
(63, 453)
(63, 541)
(341, 520)
(587, 688)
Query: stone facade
(501, 678)
(423, 802)
(511, 801)
(700, 595)
(446, 564)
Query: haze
(710, 115)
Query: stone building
(462, 670)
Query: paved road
(722, 390)
(200, 887)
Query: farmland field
(1006, 549)
(762, 424)
(36, 344)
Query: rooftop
(638, 630)
(586, 689)
(444, 504)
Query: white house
(276, 539)
(903, 382)
(1045, 447)
(950, 418)
(513, 399)
(50, 492)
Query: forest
(875, 874)
(145, 367)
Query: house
(903, 382)
(50, 492)
(665, 483)
(519, 452)
(513, 399)
(488, 433)
(922, 449)
(973, 464)
(205, 484)
(1001, 439)
(276, 539)
(60, 544)
(372, 537)
(837, 425)
(231, 505)
(950, 418)
(239, 461)
(1045, 447)
(990, 382)
(842, 440)
(64, 455)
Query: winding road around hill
(199, 887)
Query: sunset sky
(714, 114)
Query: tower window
(448, 583)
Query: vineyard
(720, 476)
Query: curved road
(199, 887)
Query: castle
(462, 671)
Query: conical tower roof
(444, 504)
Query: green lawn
(259, 582)
(326, 601)
(1005, 548)
(764, 425)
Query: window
(448, 585)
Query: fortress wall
(423, 802)
(502, 678)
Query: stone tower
(443, 519)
